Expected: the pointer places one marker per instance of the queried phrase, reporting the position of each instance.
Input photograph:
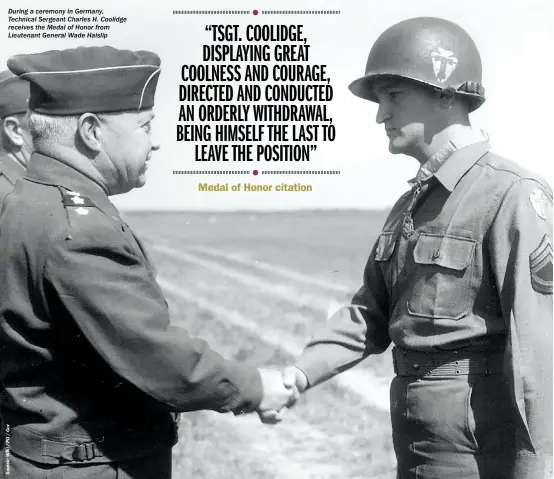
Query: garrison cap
(88, 79)
(14, 94)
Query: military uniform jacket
(469, 267)
(87, 349)
(10, 171)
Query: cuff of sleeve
(316, 370)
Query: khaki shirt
(476, 272)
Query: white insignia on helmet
(539, 201)
(78, 200)
(74, 193)
(444, 63)
(81, 211)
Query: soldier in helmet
(15, 139)
(459, 280)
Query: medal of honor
(408, 226)
(408, 223)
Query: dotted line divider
(255, 172)
(210, 172)
(211, 12)
(255, 12)
(300, 172)
(301, 12)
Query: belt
(121, 446)
(446, 363)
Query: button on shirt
(476, 272)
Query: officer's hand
(295, 378)
(276, 396)
(295, 381)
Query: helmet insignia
(444, 63)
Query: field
(254, 285)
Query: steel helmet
(427, 50)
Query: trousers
(151, 466)
(453, 427)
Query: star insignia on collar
(81, 211)
(78, 200)
(72, 199)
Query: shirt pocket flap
(385, 246)
(451, 252)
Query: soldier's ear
(12, 129)
(446, 99)
(449, 100)
(89, 131)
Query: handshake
(281, 391)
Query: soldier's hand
(296, 382)
(272, 416)
(276, 397)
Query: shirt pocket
(383, 254)
(443, 277)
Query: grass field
(254, 285)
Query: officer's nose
(383, 113)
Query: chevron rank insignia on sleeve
(540, 265)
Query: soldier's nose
(382, 115)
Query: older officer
(460, 279)
(15, 142)
(92, 368)
(15, 139)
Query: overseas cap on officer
(88, 79)
(14, 94)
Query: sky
(514, 38)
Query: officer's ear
(89, 131)
(12, 129)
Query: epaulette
(76, 200)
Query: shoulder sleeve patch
(540, 266)
(540, 202)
